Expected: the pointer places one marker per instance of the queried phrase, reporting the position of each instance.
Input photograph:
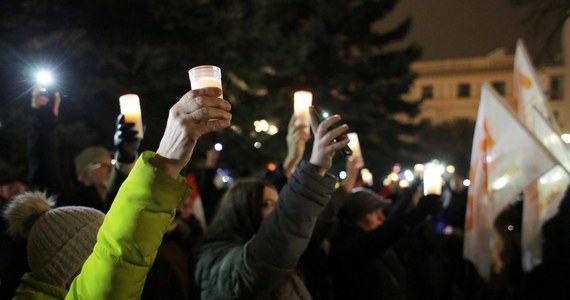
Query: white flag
(528, 95)
(505, 158)
(543, 198)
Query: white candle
(366, 177)
(302, 101)
(131, 109)
(205, 76)
(205, 82)
(419, 170)
(354, 144)
(432, 180)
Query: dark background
(354, 56)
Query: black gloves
(126, 141)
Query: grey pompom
(24, 210)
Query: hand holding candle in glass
(205, 76)
(131, 109)
(302, 101)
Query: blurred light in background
(44, 78)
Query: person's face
(371, 220)
(186, 209)
(9, 190)
(456, 184)
(98, 173)
(269, 202)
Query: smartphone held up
(346, 149)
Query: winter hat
(360, 202)
(90, 155)
(59, 239)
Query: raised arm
(132, 231)
(297, 137)
(269, 257)
(43, 160)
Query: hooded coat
(246, 258)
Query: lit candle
(131, 109)
(366, 176)
(302, 101)
(432, 180)
(419, 170)
(205, 76)
(354, 144)
(205, 82)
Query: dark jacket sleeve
(374, 243)
(328, 220)
(208, 192)
(268, 258)
(43, 161)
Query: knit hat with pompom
(59, 239)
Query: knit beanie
(59, 240)
(360, 202)
(90, 155)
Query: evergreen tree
(266, 49)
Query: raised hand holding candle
(205, 76)
(432, 180)
(131, 109)
(302, 100)
(354, 144)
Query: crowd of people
(127, 227)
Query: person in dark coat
(363, 264)
(97, 178)
(255, 241)
(313, 265)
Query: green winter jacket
(127, 241)
(262, 266)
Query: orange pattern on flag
(525, 81)
(505, 158)
(486, 145)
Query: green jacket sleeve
(131, 233)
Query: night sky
(467, 28)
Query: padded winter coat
(127, 242)
(263, 266)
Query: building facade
(452, 87)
